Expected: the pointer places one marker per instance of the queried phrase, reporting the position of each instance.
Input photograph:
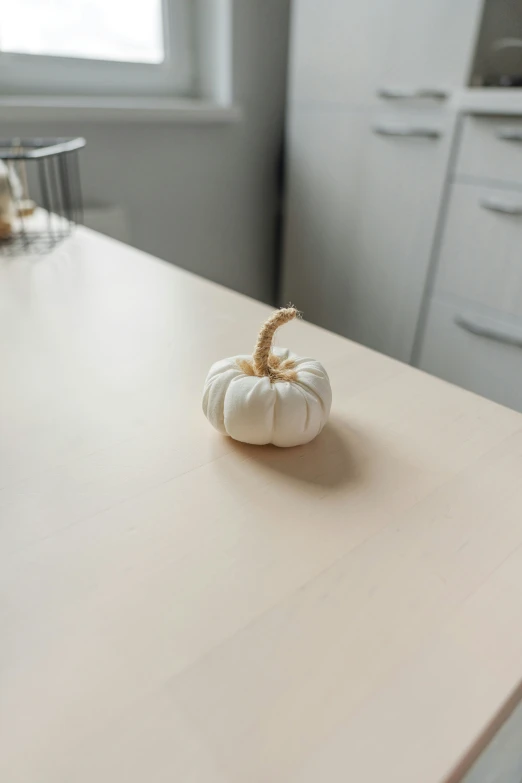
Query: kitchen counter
(180, 607)
(489, 101)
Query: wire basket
(40, 193)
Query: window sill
(96, 109)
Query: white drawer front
(481, 251)
(482, 353)
(491, 148)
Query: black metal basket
(40, 193)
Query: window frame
(30, 74)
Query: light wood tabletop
(179, 607)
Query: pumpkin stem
(261, 357)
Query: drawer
(491, 148)
(480, 256)
(480, 352)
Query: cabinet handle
(509, 134)
(408, 94)
(420, 132)
(491, 329)
(496, 204)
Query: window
(92, 29)
(96, 47)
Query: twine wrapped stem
(265, 363)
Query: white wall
(202, 196)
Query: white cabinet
(430, 44)
(324, 175)
(491, 149)
(364, 191)
(473, 331)
(481, 250)
(479, 350)
(347, 50)
(335, 49)
(369, 141)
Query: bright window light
(118, 30)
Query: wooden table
(179, 607)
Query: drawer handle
(408, 94)
(509, 134)
(491, 329)
(408, 130)
(496, 204)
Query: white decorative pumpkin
(272, 396)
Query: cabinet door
(323, 177)
(474, 348)
(430, 45)
(335, 49)
(480, 257)
(363, 199)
